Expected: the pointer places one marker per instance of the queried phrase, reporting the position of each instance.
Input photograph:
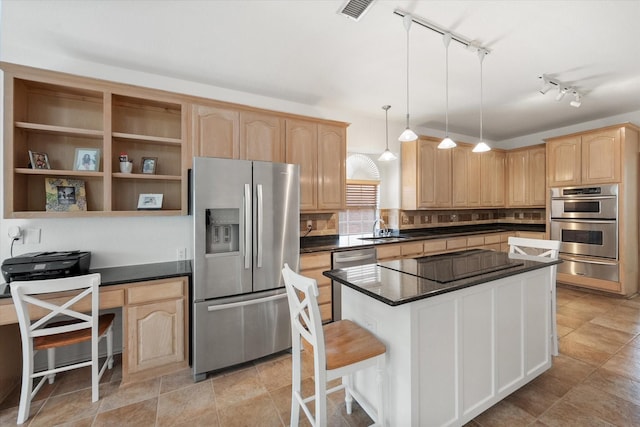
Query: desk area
(154, 299)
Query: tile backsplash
(322, 224)
(406, 220)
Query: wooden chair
(41, 334)
(542, 249)
(339, 349)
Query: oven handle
(585, 221)
(588, 261)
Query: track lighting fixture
(481, 146)
(446, 142)
(563, 89)
(408, 134)
(387, 155)
(577, 101)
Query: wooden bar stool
(77, 327)
(339, 349)
(542, 249)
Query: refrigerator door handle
(246, 303)
(260, 224)
(247, 225)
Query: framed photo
(150, 201)
(65, 195)
(87, 159)
(149, 164)
(39, 160)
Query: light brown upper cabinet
(592, 157)
(492, 177)
(237, 134)
(426, 175)
(466, 177)
(320, 150)
(526, 177)
(60, 115)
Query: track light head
(562, 91)
(577, 101)
(546, 84)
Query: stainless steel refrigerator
(245, 227)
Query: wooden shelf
(57, 114)
(63, 130)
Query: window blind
(362, 194)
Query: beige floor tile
(66, 408)
(600, 337)
(540, 394)
(9, 415)
(189, 403)
(573, 347)
(176, 380)
(569, 370)
(504, 414)
(596, 402)
(257, 412)
(275, 374)
(625, 363)
(236, 387)
(564, 414)
(121, 395)
(139, 414)
(617, 385)
(623, 318)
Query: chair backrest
(534, 247)
(306, 322)
(28, 304)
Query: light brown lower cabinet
(312, 265)
(155, 327)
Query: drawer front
(155, 291)
(317, 260)
(457, 243)
(412, 249)
(492, 239)
(475, 241)
(435, 246)
(317, 275)
(388, 251)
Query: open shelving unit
(57, 114)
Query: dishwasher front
(343, 259)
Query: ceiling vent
(354, 9)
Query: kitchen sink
(383, 238)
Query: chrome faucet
(383, 231)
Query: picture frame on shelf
(87, 159)
(65, 195)
(149, 165)
(38, 160)
(150, 201)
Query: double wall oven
(585, 221)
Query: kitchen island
(463, 330)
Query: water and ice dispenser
(223, 231)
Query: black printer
(46, 265)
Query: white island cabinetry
(453, 355)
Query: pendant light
(481, 146)
(446, 142)
(387, 155)
(408, 134)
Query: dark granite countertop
(131, 274)
(411, 279)
(337, 242)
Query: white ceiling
(305, 52)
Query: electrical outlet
(309, 224)
(32, 236)
(370, 324)
(181, 254)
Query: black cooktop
(450, 267)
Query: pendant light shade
(408, 134)
(446, 142)
(387, 155)
(481, 146)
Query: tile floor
(594, 382)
